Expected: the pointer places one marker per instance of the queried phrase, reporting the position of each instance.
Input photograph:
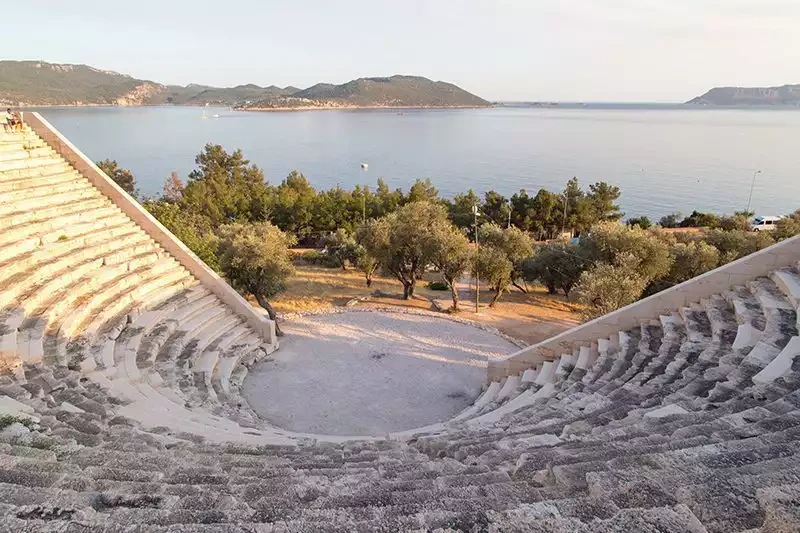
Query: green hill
(732, 96)
(40, 83)
(31, 83)
(394, 91)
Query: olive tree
(341, 246)
(492, 265)
(788, 226)
(607, 241)
(557, 266)
(608, 286)
(451, 255)
(514, 243)
(256, 260)
(401, 242)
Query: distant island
(37, 83)
(734, 96)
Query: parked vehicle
(764, 223)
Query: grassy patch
(7, 420)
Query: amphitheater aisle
(121, 371)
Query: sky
(533, 50)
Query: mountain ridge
(788, 94)
(39, 83)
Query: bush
(438, 286)
(607, 287)
(318, 258)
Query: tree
(788, 226)
(670, 221)
(225, 187)
(256, 260)
(557, 266)
(608, 240)
(459, 209)
(607, 287)
(193, 229)
(401, 241)
(495, 208)
(173, 189)
(514, 243)
(700, 220)
(601, 198)
(738, 222)
(643, 222)
(122, 177)
(342, 247)
(452, 255)
(735, 244)
(492, 266)
(420, 191)
(689, 260)
(293, 203)
(371, 238)
(386, 201)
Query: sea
(664, 158)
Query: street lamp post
(752, 185)
(477, 274)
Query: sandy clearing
(370, 373)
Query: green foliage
(557, 266)
(6, 420)
(736, 244)
(193, 229)
(341, 247)
(700, 220)
(459, 209)
(402, 241)
(320, 258)
(608, 240)
(438, 286)
(421, 191)
(493, 267)
(737, 222)
(642, 222)
(689, 260)
(226, 188)
(788, 226)
(122, 177)
(451, 254)
(672, 220)
(255, 259)
(607, 287)
(366, 263)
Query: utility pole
(564, 220)
(364, 206)
(752, 185)
(477, 274)
(509, 213)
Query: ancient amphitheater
(122, 356)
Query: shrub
(607, 287)
(438, 286)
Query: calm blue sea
(664, 158)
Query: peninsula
(37, 83)
(788, 95)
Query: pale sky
(566, 50)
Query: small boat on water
(364, 166)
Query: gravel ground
(371, 373)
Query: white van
(764, 223)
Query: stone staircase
(121, 371)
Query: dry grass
(529, 317)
